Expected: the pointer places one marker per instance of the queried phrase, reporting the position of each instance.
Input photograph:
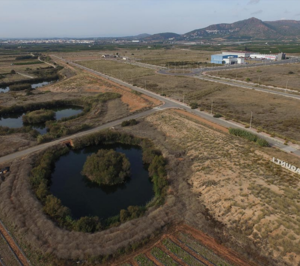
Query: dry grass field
(274, 114)
(222, 185)
(159, 57)
(283, 76)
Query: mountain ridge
(251, 28)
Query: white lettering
(286, 165)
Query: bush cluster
(107, 167)
(130, 122)
(38, 116)
(248, 135)
(194, 105)
(19, 87)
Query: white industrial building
(241, 54)
(273, 57)
(233, 60)
(238, 53)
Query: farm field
(26, 67)
(274, 114)
(283, 76)
(174, 250)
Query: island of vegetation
(38, 116)
(107, 167)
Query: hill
(249, 28)
(162, 36)
(252, 28)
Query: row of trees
(41, 174)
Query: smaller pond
(15, 120)
(4, 89)
(84, 198)
(33, 86)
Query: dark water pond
(33, 86)
(15, 120)
(84, 198)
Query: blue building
(219, 58)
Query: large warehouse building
(226, 59)
(238, 53)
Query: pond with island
(14, 120)
(85, 198)
(33, 86)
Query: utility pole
(286, 85)
(183, 98)
(211, 109)
(251, 119)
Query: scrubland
(283, 76)
(224, 186)
(274, 114)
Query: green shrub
(248, 135)
(130, 122)
(217, 115)
(194, 105)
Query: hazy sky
(93, 18)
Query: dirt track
(202, 120)
(14, 246)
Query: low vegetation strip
(249, 136)
(38, 116)
(182, 254)
(142, 260)
(201, 250)
(28, 63)
(163, 257)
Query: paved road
(168, 103)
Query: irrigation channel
(14, 120)
(33, 86)
(84, 198)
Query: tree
(88, 224)
(12, 72)
(55, 209)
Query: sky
(111, 18)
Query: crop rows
(163, 257)
(201, 250)
(182, 254)
(142, 260)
